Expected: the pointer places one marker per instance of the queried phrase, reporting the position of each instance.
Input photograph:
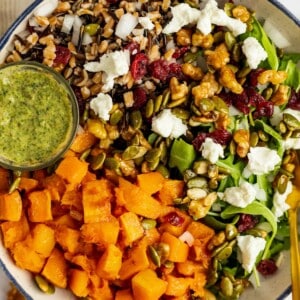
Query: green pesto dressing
(35, 115)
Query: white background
(292, 5)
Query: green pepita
(149, 108)
(157, 103)
(254, 138)
(91, 28)
(224, 253)
(133, 152)
(97, 161)
(181, 113)
(197, 182)
(226, 286)
(44, 285)
(282, 183)
(163, 170)
(14, 185)
(116, 117)
(230, 40)
(206, 105)
(153, 154)
(136, 119)
(291, 121)
(230, 232)
(154, 256)
(149, 224)
(84, 155)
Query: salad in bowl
(181, 175)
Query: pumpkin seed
(153, 164)
(169, 264)
(263, 136)
(166, 98)
(111, 163)
(254, 138)
(163, 170)
(291, 121)
(206, 105)
(116, 117)
(157, 103)
(219, 37)
(176, 102)
(85, 154)
(219, 249)
(230, 40)
(181, 113)
(282, 183)
(133, 152)
(212, 171)
(212, 278)
(197, 182)
(14, 185)
(236, 52)
(230, 232)
(196, 193)
(243, 72)
(136, 119)
(213, 183)
(163, 152)
(220, 105)
(163, 250)
(44, 285)
(226, 286)
(154, 256)
(153, 154)
(91, 28)
(191, 57)
(97, 161)
(149, 108)
(267, 93)
(224, 253)
(149, 224)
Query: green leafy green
(288, 63)
(234, 169)
(258, 32)
(182, 155)
(255, 208)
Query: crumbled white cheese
(102, 105)
(276, 117)
(113, 65)
(125, 25)
(261, 160)
(254, 52)
(146, 23)
(249, 247)
(279, 204)
(211, 150)
(240, 196)
(291, 143)
(168, 125)
(183, 15)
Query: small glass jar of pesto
(38, 116)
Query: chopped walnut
(200, 207)
(228, 80)
(281, 95)
(241, 12)
(206, 89)
(219, 57)
(242, 138)
(49, 51)
(192, 71)
(273, 76)
(178, 90)
(201, 40)
(184, 37)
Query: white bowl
(277, 286)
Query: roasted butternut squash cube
(28, 184)
(170, 190)
(177, 286)
(72, 169)
(110, 262)
(96, 197)
(150, 182)
(83, 141)
(55, 269)
(79, 282)
(11, 206)
(14, 231)
(40, 206)
(178, 250)
(26, 258)
(131, 226)
(147, 286)
(43, 239)
(124, 295)
(68, 238)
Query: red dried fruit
(246, 222)
(159, 69)
(252, 78)
(139, 65)
(139, 97)
(179, 52)
(294, 101)
(220, 136)
(267, 267)
(132, 47)
(174, 219)
(63, 55)
(175, 70)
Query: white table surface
(10, 9)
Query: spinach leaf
(259, 33)
(255, 208)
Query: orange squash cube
(132, 228)
(150, 182)
(170, 190)
(124, 295)
(110, 262)
(11, 206)
(147, 286)
(177, 286)
(55, 269)
(79, 282)
(68, 238)
(43, 239)
(40, 206)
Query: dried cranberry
(174, 219)
(139, 65)
(179, 52)
(246, 222)
(263, 109)
(63, 55)
(175, 70)
(139, 97)
(294, 101)
(267, 267)
(220, 136)
(159, 69)
(132, 47)
(252, 77)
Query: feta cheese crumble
(261, 160)
(146, 23)
(113, 65)
(211, 150)
(279, 204)
(183, 15)
(240, 196)
(102, 105)
(168, 125)
(254, 52)
(249, 248)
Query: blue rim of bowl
(4, 40)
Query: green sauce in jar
(38, 116)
